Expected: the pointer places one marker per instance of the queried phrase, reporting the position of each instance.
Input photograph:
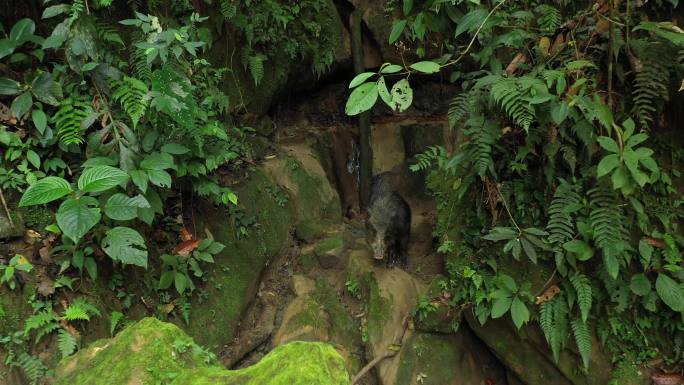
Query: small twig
(4, 205)
(398, 340)
(543, 288)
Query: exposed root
(392, 351)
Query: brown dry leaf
(185, 235)
(44, 253)
(659, 243)
(185, 248)
(548, 295)
(168, 308)
(6, 115)
(545, 45)
(520, 58)
(682, 87)
(46, 287)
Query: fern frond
(582, 287)
(509, 94)
(256, 67)
(462, 106)
(133, 96)
(108, 33)
(228, 9)
(560, 327)
(72, 111)
(583, 340)
(546, 319)
(33, 367)
(74, 312)
(87, 306)
(66, 343)
(607, 220)
(482, 134)
(138, 60)
(427, 158)
(39, 320)
(561, 226)
(650, 91)
(549, 18)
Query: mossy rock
(234, 277)
(152, 352)
(14, 308)
(441, 319)
(330, 252)
(441, 359)
(316, 203)
(147, 352)
(296, 363)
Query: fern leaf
(87, 306)
(583, 340)
(108, 32)
(549, 18)
(75, 312)
(71, 113)
(427, 158)
(462, 106)
(650, 91)
(33, 367)
(607, 220)
(66, 343)
(546, 319)
(509, 93)
(482, 133)
(39, 320)
(560, 327)
(228, 9)
(582, 287)
(132, 94)
(256, 67)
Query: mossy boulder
(330, 252)
(315, 202)
(317, 314)
(296, 363)
(525, 353)
(147, 352)
(14, 308)
(153, 352)
(440, 318)
(441, 359)
(233, 279)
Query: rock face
(289, 190)
(152, 351)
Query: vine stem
(472, 41)
(505, 204)
(4, 205)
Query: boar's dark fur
(389, 222)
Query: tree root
(392, 351)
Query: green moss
(439, 319)
(296, 363)
(628, 374)
(308, 261)
(432, 355)
(342, 328)
(146, 352)
(233, 278)
(14, 309)
(37, 217)
(379, 310)
(311, 316)
(316, 210)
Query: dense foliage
(558, 107)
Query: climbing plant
(560, 105)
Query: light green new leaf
(101, 178)
(581, 249)
(360, 78)
(158, 161)
(159, 178)
(608, 144)
(519, 313)
(362, 99)
(123, 208)
(670, 292)
(426, 67)
(175, 149)
(76, 216)
(45, 190)
(125, 245)
(390, 68)
(384, 92)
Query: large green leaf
(670, 292)
(9, 87)
(607, 164)
(501, 306)
(123, 208)
(21, 104)
(581, 249)
(360, 78)
(45, 190)
(397, 30)
(640, 284)
(101, 178)
(519, 313)
(125, 245)
(76, 216)
(159, 178)
(158, 161)
(46, 89)
(175, 95)
(22, 30)
(362, 99)
(426, 67)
